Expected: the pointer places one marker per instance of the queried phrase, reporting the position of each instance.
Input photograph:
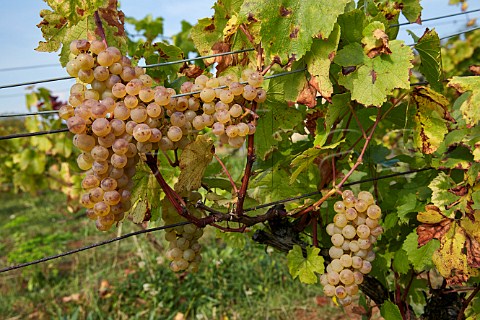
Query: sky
(19, 36)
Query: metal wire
(56, 256)
(196, 58)
(306, 195)
(98, 244)
(452, 35)
(173, 96)
(29, 67)
(10, 115)
(146, 66)
(435, 18)
(31, 134)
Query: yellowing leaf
(469, 108)
(430, 118)
(450, 259)
(193, 161)
(375, 40)
(430, 216)
(305, 268)
(319, 59)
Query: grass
(131, 280)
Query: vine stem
(362, 153)
(234, 186)
(345, 178)
(101, 31)
(248, 170)
(467, 302)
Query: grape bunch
(183, 250)
(354, 230)
(116, 114)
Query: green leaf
(276, 117)
(288, 27)
(412, 10)
(400, 262)
(390, 311)
(318, 60)
(469, 108)
(428, 47)
(305, 268)
(352, 24)
(406, 203)
(193, 161)
(420, 258)
(375, 79)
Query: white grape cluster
(116, 113)
(354, 230)
(183, 250)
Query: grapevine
(305, 98)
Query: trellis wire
(22, 135)
(128, 235)
(147, 66)
(98, 244)
(10, 115)
(32, 134)
(306, 195)
(435, 18)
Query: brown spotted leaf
(430, 118)
(427, 232)
(308, 96)
(450, 259)
(288, 27)
(375, 40)
(319, 59)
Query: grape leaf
(375, 40)
(217, 34)
(441, 196)
(146, 191)
(305, 268)
(71, 20)
(318, 60)
(400, 262)
(469, 108)
(430, 118)
(193, 161)
(428, 47)
(450, 259)
(288, 27)
(352, 24)
(420, 258)
(276, 117)
(411, 9)
(390, 311)
(375, 79)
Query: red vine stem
(101, 31)
(345, 178)
(235, 189)
(248, 170)
(362, 153)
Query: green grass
(130, 279)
